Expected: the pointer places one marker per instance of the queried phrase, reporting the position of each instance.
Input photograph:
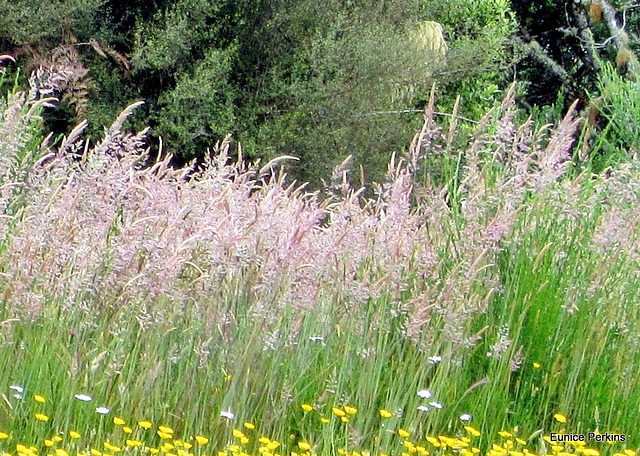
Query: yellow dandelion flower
(74, 435)
(271, 446)
(473, 431)
(307, 407)
(338, 411)
(403, 433)
(118, 421)
(385, 413)
(344, 419)
(4, 435)
(42, 417)
(202, 440)
(145, 424)
(350, 410)
(590, 452)
(109, 446)
(127, 430)
(39, 398)
(324, 420)
(560, 417)
(304, 446)
(249, 425)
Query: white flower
(316, 338)
(437, 405)
(435, 359)
(17, 388)
(466, 417)
(227, 414)
(84, 397)
(425, 394)
(103, 410)
(423, 408)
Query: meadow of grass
(220, 310)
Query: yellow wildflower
(4, 435)
(39, 398)
(50, 443)
(537, 365)
(95, 452)
(74, 435)
(338, 411)
(350, 410)
(145, 424)
(590, 452)
(304, 446)
(403, 433)
(118, 421)
(560, 417)
(324, 420)
(152, 450)
(127, 430)
(42, 417)
(202, 440)
(61, 452)
(505, 434)
(166, 429)
(344, 419)
(307, 407)
(385, 413)
(473, 431)
(249, 425)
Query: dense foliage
(315, 80)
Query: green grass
(531, 328)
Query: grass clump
(478, 314)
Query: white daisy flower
(228, 414)
(466, 417)
(17, 388)
(425, 394)
(103, 410)
(423, 408)
(437, 405)
(83, 397)
(435, 359)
